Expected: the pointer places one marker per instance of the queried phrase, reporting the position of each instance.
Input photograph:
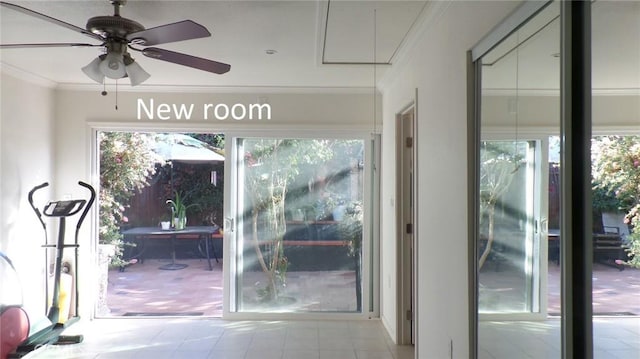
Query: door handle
(229, 224)
(544, 225)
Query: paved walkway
(144, 289)
(615, 292)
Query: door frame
(406, 246)
(541, 209)
(232, 226)
(93, 129)
(371, 270)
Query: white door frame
(406, 224)
(541, 208)
(233, 227)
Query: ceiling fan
(117, 35)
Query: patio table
(205, 233)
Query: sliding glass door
(509, 261)
(299, 225)
(518, 94)
(518, 83)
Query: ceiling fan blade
(178, 31)
(186, 60)
(53, 44)
(52, 20)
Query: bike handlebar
(84, 213)
(89, 203)
(35, 209)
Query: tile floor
(208, 338)
(613, 338)
(202, 337)
(194, 338)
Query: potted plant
(165, 221)
(179, 211)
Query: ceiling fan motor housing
(113, 26)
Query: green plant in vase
(179, 211)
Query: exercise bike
(51, 334)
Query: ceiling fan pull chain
(116, 95)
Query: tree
(126, 163)
(616, 170)
(216, 140)
(270, 165)
(499, 161)
(351, 232)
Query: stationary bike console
(63, 208)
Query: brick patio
(144, 289)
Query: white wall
(26, 160)
(78, 111)
(45, 135)
(436, 66)
(544, 111)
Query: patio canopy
(178, 147)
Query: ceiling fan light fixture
(113, 66)
(117, 34)
(92, 70)
(136, 73)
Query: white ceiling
(529, 58)
(318, 43)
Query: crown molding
(219, 89)
(520, 92)
(616, 91)
(26, 76)
(44, 82)
(530, 132)
(556, 92)
(430, 15)
(297, 130)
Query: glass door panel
(615, 165)
(299, 237)
(508, 238)
(519, 95)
